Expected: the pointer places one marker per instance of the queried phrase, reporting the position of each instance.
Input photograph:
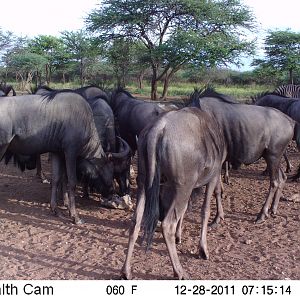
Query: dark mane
(89, 86)
(42, 87)
(45, 87)
(209, 92)
(266, 93)
(52, 93)
(122, 90)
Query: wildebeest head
(97, 174)
(121, 162)
(5, 89)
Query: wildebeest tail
(152, 187)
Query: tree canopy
(81, 48)
(282, 51)
(175, 32)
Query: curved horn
(125, 152)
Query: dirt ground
(34, 244)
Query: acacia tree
(81, 48)
(26, 66)
(127, 57)
(120, 57)
(7, 42)
(282, 50)
(175, 32)
(49, 47)
(6, 39)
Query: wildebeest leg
(226, 172)
(56, 179)
(178, 199)
(273, 167)
(133, 233)
(85, 191)
(220, 212)
(179, 227)
(39, 172)
(288, 164)
(65, 194)
(282, 180)
(71, 175)
(205, 213)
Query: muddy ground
(34, 244)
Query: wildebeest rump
(289, 106)
(179, 152)
(251, 132)
(60, 123)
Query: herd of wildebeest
(93, 135)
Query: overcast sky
(39, 17)
(50, 17)
(34, 17)
(272, 14)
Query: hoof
(203, 254)
(78, 221)
(260, 219)
(214, 225)
(216, 222)
(182, 276)
(45, 181)
(177, 240)
(273, 214)
(55, 212)
(126, 275)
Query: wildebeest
(132, 115)
(289, 106)
(87, 92)
(117, 148)
(179, 152)
(61, 123)
(251, 132)
(5, 89)
(105, 124)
